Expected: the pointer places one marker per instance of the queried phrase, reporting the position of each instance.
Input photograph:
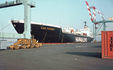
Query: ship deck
(76, 56)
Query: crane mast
(93, 19)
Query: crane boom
(94, 13)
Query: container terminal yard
(54, 48)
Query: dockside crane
(93, 19)
(24, 40)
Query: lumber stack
(25, 43)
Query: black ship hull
(50, 34)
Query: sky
(64, 13)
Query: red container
(107, 44)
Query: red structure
(94, 13)
(107, 44)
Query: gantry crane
(93, 19)
(27, 17)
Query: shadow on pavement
(89, 54)
(2, 49)
(96, 47)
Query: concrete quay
(78, 56)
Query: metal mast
(27, 19)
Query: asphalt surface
(81, 56)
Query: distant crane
(93, 19)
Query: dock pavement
(76, 56)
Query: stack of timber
(25, 43)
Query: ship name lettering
(50, 29)
(47, 28)
(80, 39)
(43, 27)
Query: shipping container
(107, 44)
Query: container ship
(47, 33)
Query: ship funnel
(85, 26)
